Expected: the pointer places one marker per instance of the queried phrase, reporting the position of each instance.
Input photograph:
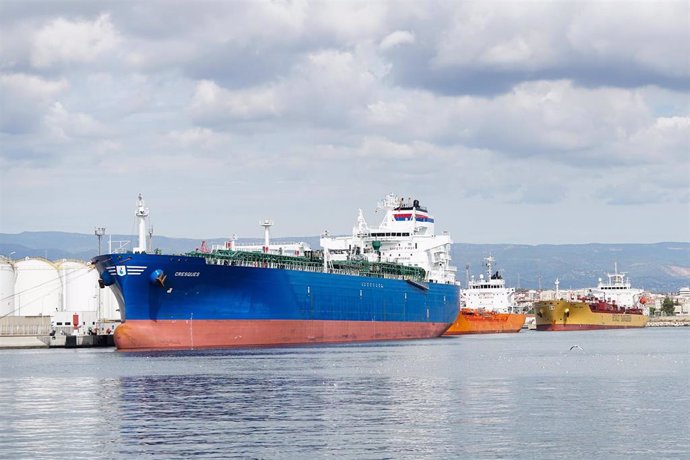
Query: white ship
(618, 290)
(489, 293)
(405, 236)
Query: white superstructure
(405, 236)
(489, 293)
(618, 290)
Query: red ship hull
(187, 334)
(483, 322)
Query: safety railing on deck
(312, 262)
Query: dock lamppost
(99, 232)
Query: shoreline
(669, 321)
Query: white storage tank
(37, 290)
(7, 279)
(110, 310)
(79, 286)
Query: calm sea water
(626, 394)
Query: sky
(513, 122)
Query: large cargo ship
(387, 283)
(488, 306)
(611, 305)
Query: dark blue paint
(232, 292)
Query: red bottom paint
(186, 334)
(579, 327)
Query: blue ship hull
(183, 302)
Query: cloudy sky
(514, 122)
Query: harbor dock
(37, 332)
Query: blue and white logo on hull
(124, 270)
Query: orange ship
(489, 306)
(471, 321)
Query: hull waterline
(188, 334)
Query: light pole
(99, 232)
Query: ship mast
(266, 224)
(141, 214)
(557, 282)
(489, 265)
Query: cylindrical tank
(110, 309)
(79, 286)
(37, 290)
(7, 277)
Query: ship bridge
(405, 236)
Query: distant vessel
(387, 283)
(612, 305)
(489, 306)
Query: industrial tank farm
(7, 278)
(40, 287)
(37, 288)
(79, 286)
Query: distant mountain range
(659, 267)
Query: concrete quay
(669, 321)
(56, 341)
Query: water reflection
(480, 397)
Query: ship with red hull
(611, 305)
(470, 321)
(489, 306)
(372, 285)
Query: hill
(659, 267)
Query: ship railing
(312, 263)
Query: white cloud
(63, 125)
(66, 41)
(522, 35)
(31, 86)
(25, 99)
(210, 101)
(380, 148)
(387, 113)
(480, 106)
(397, 38)
(197, 137)
(652, 34)
(665, 139)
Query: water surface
(526, 395)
